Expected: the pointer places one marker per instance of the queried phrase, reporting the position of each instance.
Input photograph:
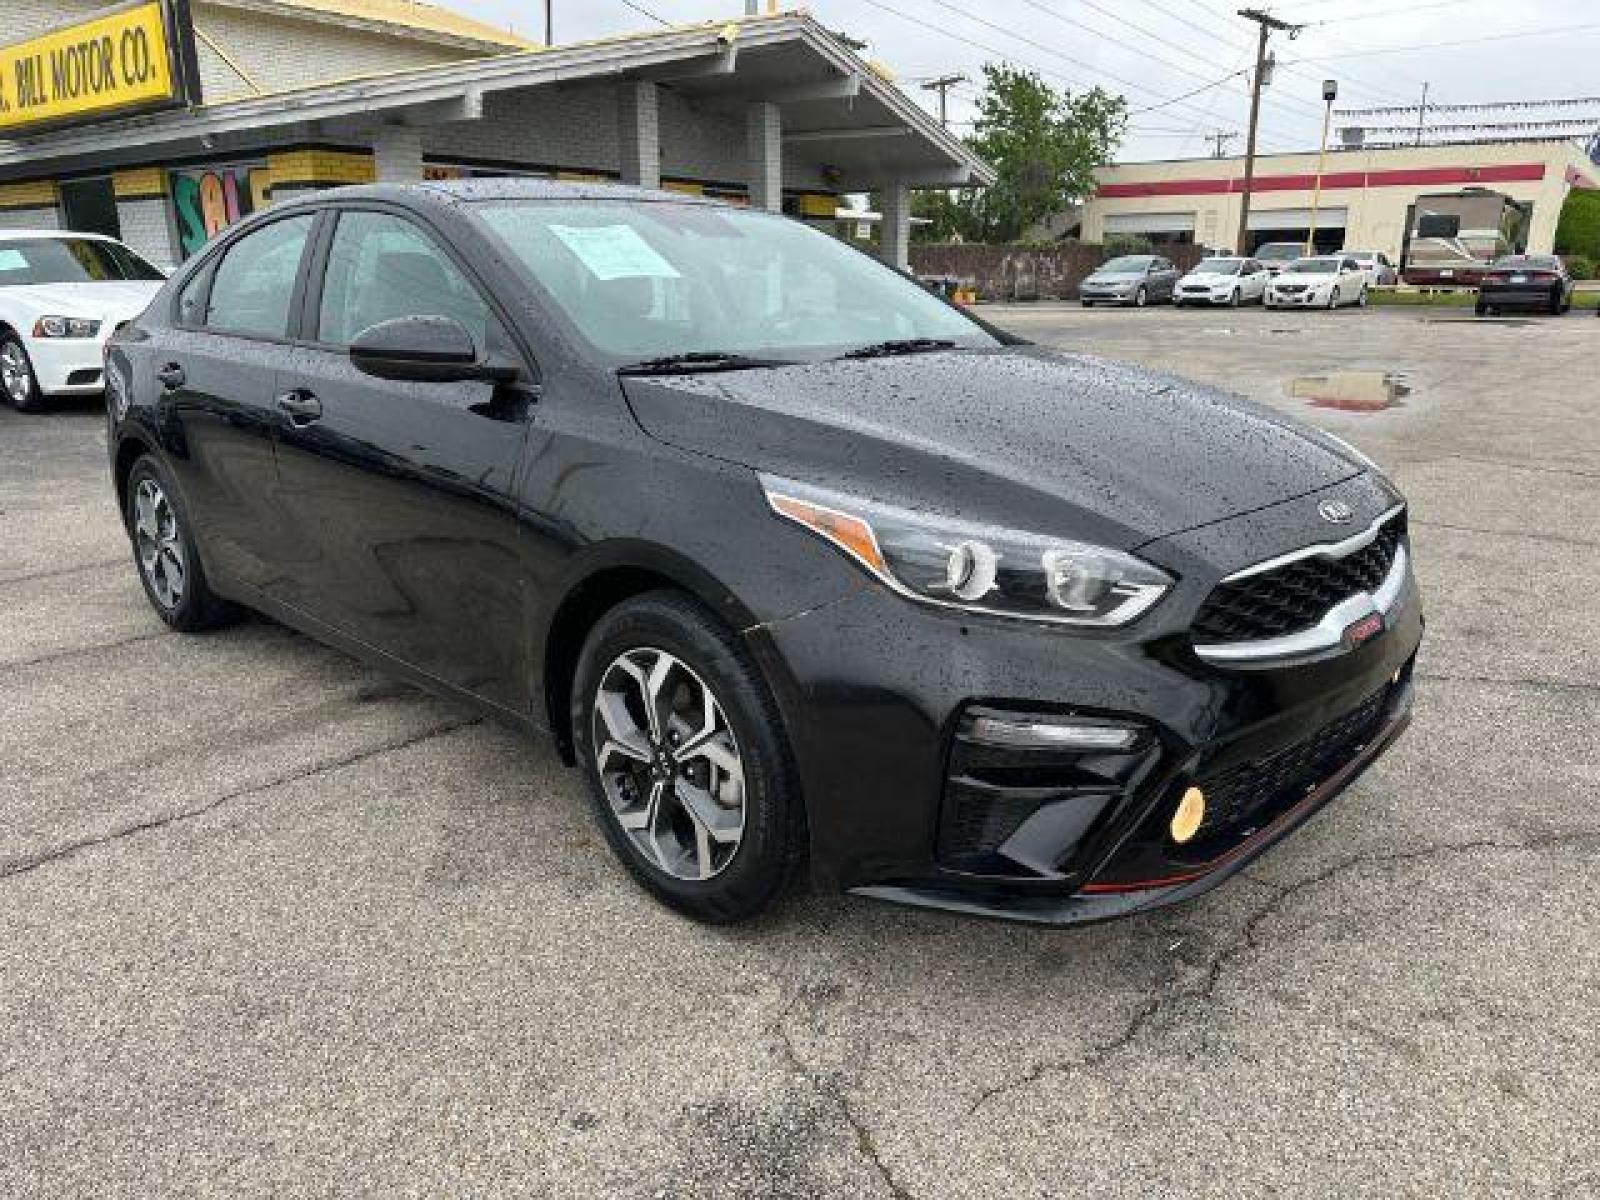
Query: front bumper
(876, 692)
(1310, 299)
(68, 366)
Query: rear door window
(253, 287)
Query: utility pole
(1219, 142)
(1330, 93)
(549, 23)
(942, 85)
(1267, 23)
(1422, 114)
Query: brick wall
(1022, 272)
(29, 218)
(148, 229)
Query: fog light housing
(1048, 733)
(1188, 816)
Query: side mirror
(424, 350)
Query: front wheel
(1361, 298)
(1234, 298)
(1141, 297)
(688, 768)
(17, 380)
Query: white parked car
(61, 296)
(1223, 280)
(1380, 271)
(1325, 281)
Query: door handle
(302, 407)
(171, 376)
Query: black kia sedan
(799, 564)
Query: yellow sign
(120, 60)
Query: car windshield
(1219, 266)
(1126, 264)
(1314, 266)
(26, 261)
(1278, 251)
(647, 281)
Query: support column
(639, 132)
(764, 155)
(397, 154)
(895, 232)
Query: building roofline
(1220, 163)
(455, 29)
(465, 83)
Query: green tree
(1043, 143)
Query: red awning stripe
(1331, 181)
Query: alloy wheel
(160, 546)
(669, 764)
(16, 374)
(1139, 297)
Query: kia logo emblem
(1335, 511)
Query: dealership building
(164, 121)
(1367, 195)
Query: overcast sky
(1153, 51)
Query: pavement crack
(79, 652)
(866, 1144)
(1246, 941)
(23, 866)
(1555, 685)
(1519, 535)
(58, 572)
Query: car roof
(16, 235)
(504, 188)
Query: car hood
(1020, 437)
(1305, 277)
(1114, 277)
(1209, 277)
(113, 300)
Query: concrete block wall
(29, 218)
(577, 127)
(147, 228)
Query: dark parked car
(1132, 279)
(1525, 281)
(796, 561)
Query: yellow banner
(108, 63)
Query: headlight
(978, 568)
(65, 327)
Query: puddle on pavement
(1351, 391)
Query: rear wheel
(688, 768)
(164, 551)
(17, 380)
(1555, 303)
(1361, 298)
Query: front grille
(1296, 595)
(1292, 289)
(1265, 786)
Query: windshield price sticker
(614, 252)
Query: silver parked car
(1136, 279)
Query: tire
(1087, 303)
(1480, 309)
(1140, 297)
(17, 380)
(1361, 298)
(1235, 298)
(716, 870)
(164, 553)
(1333, 299)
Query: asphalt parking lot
(271, 923)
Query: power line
(1005, 56)
(1479, 41)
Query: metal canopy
(836, 110)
